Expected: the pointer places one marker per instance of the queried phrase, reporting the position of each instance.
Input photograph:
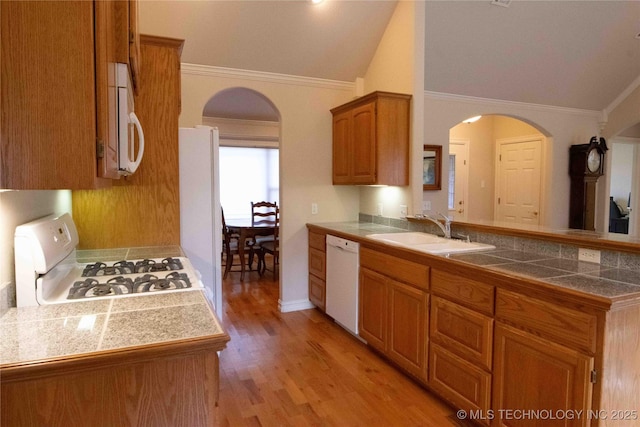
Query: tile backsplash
(538, 246)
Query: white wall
(19, 207)
(398, 66)
(562, 126)
(305, 157)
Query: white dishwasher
(343, 260)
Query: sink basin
(410, 239)
(430, 243)
(452, 247)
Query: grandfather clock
(586, 165)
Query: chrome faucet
(446, 228)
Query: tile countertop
(587, 278)
(46, 332)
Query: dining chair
(230, 248)
(270, 247)
(263, 214)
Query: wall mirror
(431, 167)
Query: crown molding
(263, 76)
(625, 93)
(503, 103)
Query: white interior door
(458, 179)
(518, 180)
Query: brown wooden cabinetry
(155, 183)
(56, 71)
(393, 311)
(532, 373)
(461, 334)
(544, 361)
(317, 269)
(371, 140)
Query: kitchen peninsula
(141, 360)
(521, 327)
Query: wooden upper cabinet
(371, 140)
(127, 36)
(56, 59)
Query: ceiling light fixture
(472, 119)
(503, 3)
(316, 1)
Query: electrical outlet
(403, 211)
(426, 205)
(589, 255)
(379, 209)
(314, 208)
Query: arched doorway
(249, 151)
(497, 171)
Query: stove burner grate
(123, 285)
(128, 267)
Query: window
(452, 181)
(247, 175)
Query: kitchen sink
(404, 239)
(429, 243)
(450, 246)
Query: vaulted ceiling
(577, 54)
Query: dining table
(244, 228)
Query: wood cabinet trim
(317, 241)
(559, 324)
(88, 362)
(471, 293)
(511, 382)
(399, 269)
(444, 383)
(462, 331)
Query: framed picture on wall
(431, 167)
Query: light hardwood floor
(301, 369)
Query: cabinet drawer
(470, 293)
(458, 381)
(317, 288)
(560, 324)
(317, 260)
(465, 332)
(317, 241)
(402, 270)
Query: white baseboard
(287, 306)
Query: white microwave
(128, 123)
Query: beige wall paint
(481, 166)
(19, 207)
(626, 114)
(398, 66)
(562, 127)
(305, 161)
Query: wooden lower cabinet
(408, 315)
(393, 315)
(317, 269)
(317, 289)
(372, 326)
(460, 382)
(531, 373)
(163, 385)
(462, 331)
